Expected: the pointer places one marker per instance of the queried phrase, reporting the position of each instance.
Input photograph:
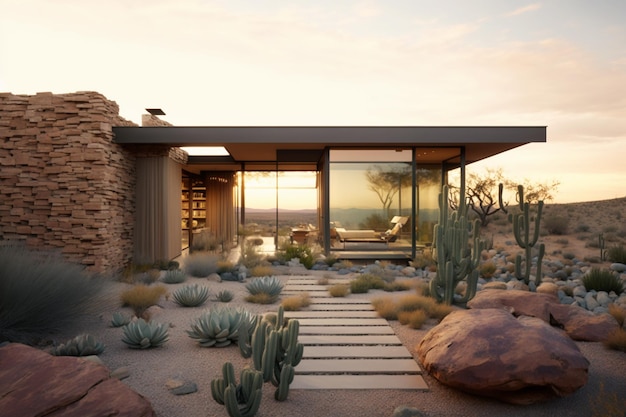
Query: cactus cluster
(191, 295)
(456, 260)
(81, 345)
(221, 326)
(141, 334)
(276, 352)
(241, 400)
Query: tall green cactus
(521, 230)
(276, 352)
(241, 400)
(456, 259)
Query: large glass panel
(427, 189)
(368, 197)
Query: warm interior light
(205, 150)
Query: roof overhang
(299, 145)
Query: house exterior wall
(64, 184)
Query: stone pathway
(346, 344)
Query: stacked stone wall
(64, 184)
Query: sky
(559, 63)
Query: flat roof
(264, 144)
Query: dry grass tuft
(414, 302)
(323, 281)
(386, 308)
(297, 302)
(339, 290)
(141, 297)
(261, 271)
(618, 313)
(261, 298)
(414, 319)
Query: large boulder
(579, 323)
(35, 383)
(489, 352)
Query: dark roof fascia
(341, 135)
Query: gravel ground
(181, 358)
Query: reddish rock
(579, 323)
(35, 383)
(489, 352)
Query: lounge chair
(370, 236)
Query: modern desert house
(79, 178)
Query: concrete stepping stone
(292, 287)
(357, 366)
(374, 321)
(346, 330)
(311, 294)
(342, 300)
(340, 307)
(327, 339)
(401, 382)
(376, 352)
(331, 314)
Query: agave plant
(120, 319)
(81, 345)
(265, 285)
(174, 276)
(221, 326)
(141, 334)
(191, 295)
(225, 296)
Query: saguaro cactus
(276, 352)
(456, 259)
(521, 230)
(241, 400)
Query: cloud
(526, 9)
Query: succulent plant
(120, 319)
(268, 285)
(225, 296)
(174, 276)
(191, 295)
(241, 400)
(81, 345)
(141, 334)
(221, 326)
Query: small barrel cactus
(81, 345)
(225, 296)
(141, 334)
(191, 295)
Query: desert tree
(387, 183)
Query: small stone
(93, 358)
(187, 387)
(404, 411)
(603, 298)
(494, 285)
(120, 373)
(579, 291)
(619, 267)
(590, 302)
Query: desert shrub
(174, 276)
(358, 286)
(331, 260)
(261, 270)
(439, 311)
(302, 252)
(261, 298)
(602, 280)
(413, 319)
(339, 290)
(323, 281)
(251, 257)
(397, 286)
(191, 295)
(81, 345)
(344, 264)
(225, 266)
(487, 269)
(296, 302)
(225, 296)
(204, 241)
(422, 260)
(422, 288)
(416, 302)
(616, 254)
(556, 225)
(201, 264)
(618, 313)
(386, 308)
(141, 334)
(141, 297)
(616, 340)
(582, 228)
(41, 294)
